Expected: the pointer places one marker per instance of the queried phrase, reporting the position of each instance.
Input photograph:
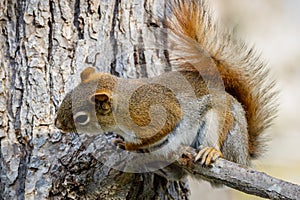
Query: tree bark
(241, 178)
(44, 45)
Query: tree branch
(242, 178)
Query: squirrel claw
(208, 155)
(119, 143)
(188, 155)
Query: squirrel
(181, 107)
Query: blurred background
(274, 28)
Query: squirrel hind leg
(236, 146)
(223, 134)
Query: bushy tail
(244, 74)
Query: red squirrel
(149, 113)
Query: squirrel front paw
(208, 155)
(119, 143)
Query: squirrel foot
(119, 143)
(208, 155)
(187, 158)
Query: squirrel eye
(81, 118)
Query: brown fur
(156, 94)
(244, 75)
(206, 57)
(227, 122)
(139, 108)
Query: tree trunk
(44, 45)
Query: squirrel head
(88, 107)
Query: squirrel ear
(86, 73)
(102, 100)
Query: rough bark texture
(242, 178)
(43, 47)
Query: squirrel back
(243, 73)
